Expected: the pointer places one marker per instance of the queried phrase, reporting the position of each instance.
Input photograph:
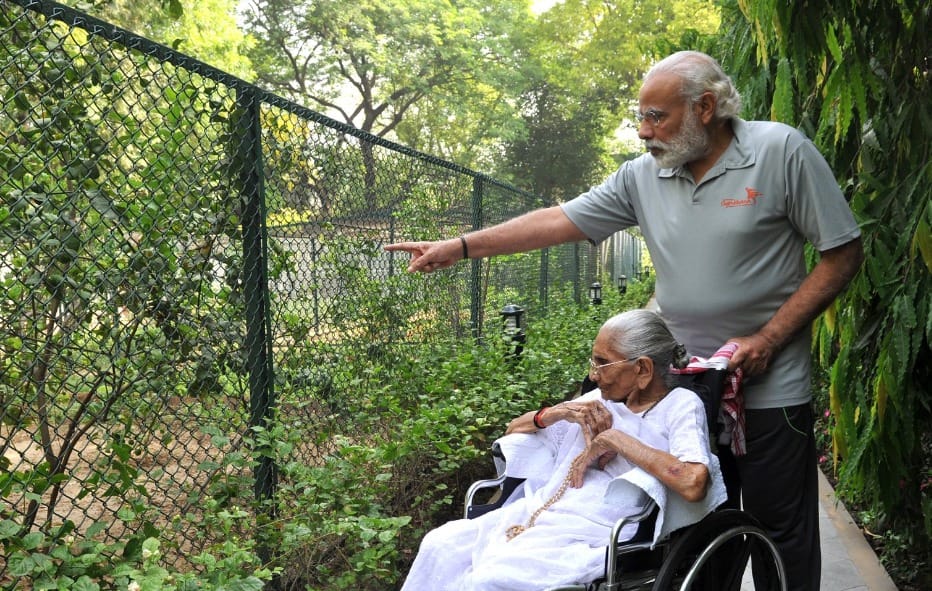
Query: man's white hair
(700, 73)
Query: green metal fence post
(247, 171)
(544, 281)
(475, 292)
(577, 275)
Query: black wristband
(537, 418)
(465, 248)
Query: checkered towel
(732, 407)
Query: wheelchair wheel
(713, 555)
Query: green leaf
(20, 565)
(32, 540)
(247, 584)
(386, 536)
(175, 9)
(881, 266)
(904, 321)
(783, 108)
(43, 563)
(832, 42)
(859, 89)
(85, 583)
(922, 240)
(844, 113)
(20, 100)
(8, 528)
(95, 529)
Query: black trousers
(778, 483)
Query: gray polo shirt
(729, 251)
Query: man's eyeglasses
(653, 116)
(594, 368)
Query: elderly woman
(572, 456)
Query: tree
(207, 30)
(563, 151)
(590, 57)
(855, 77)
(170, 8)
(601, 49)
(373, 64)
(369, 63)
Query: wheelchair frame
(710, 555)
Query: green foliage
(563, 151)
(855, 77)
(601, 49)
(588, 57)
(111, 312)
(60, 559)
(172, 9)
(125, 349)
(422, 427)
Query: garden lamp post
(595, 293)
(513, 326)
(622, 284)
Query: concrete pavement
(848, 561)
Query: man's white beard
(691, 143)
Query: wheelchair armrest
(642, 540)
(477, 486)
(646, 517)
(505, 486)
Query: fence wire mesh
(184, 258)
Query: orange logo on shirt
(753, 194)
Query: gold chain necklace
(513, 531)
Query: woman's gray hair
(700, 73)
(642, 333)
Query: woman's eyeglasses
(595, 369)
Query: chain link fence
(184, 257)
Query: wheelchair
(709, 555)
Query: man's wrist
(773, 340)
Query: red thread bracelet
(537, 417)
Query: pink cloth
(732, 404)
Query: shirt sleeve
(605, 208)
(816, 205)
(689, 435)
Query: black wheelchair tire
(723, 541)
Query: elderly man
(726, 207)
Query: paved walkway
(848, 561)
